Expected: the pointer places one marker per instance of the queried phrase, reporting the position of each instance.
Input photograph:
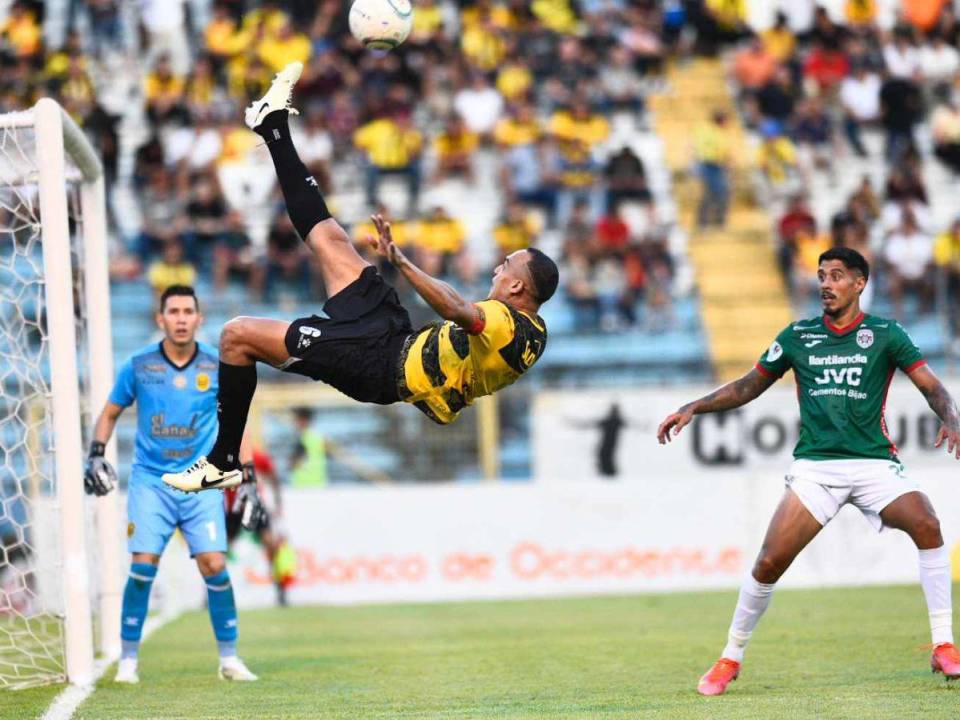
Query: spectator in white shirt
(860, 97)
(901, 57)
(479, 105)
(939, 62)
(909, 257)
(165, 24)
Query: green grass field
(818, 654)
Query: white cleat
(232, 668)
(203, 475)
(127, 671)
(276, 98)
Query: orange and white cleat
(946, 660)
(723, 672)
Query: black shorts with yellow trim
(354, 344)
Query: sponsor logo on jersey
(809, 336)
(839, 376)
(180, 382)
(812, 343)
(154, 367)
(160, 430)
(865, 338)
(774, 352)
(206, 365)
(857, 359)
(203, 382)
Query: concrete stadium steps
(742, 293)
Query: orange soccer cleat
(946, 659)
(723, 672)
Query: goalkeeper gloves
(99, 477)
(247, 503)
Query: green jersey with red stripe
(842, 376)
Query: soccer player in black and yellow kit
(362, 342)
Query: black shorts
(356, 342)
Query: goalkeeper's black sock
(237, 385)
(305, 204)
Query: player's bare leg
(914, 514)
(791, 529)
(243, 342)
(246, 340)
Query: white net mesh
(31, 611)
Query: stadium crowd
(534, 85)
(812, 93)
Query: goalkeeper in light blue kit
(174, 384)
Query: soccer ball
(381, 24)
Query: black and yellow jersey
(444, 368)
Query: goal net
(55, 371)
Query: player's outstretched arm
(943, 405)
(729, 396)
(444, 300)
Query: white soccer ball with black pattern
(381, 24)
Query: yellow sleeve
(497, 329)
(361, 136)
(941, 249)
(560, 124)
(155, 274)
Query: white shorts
(825, 486)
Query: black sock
(305, 204)
(237, 385)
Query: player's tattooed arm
(729, 396)
(940, 401)
(440, 296)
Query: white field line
(66, 703)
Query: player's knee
(211, 563)
(768, 568)
(234, 333)
(927, 532)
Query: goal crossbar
(75, 143)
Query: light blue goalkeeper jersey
(176, 408)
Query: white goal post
(62, 158)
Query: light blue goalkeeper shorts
(155, 510)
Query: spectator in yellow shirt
(777, 155)
(223, 38)
(171, 269)
(440, 242)
(779, 40)
(514, 80)
(427, 23)
(483, 46)
(860, 12)
(946, 256)
(712, 147)
(22, 32)
(520, 127)
(392, 146)
(515, 231)
(279, 49)
(403, 231)
(455, 148)
(164, 93)
(580, 124)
